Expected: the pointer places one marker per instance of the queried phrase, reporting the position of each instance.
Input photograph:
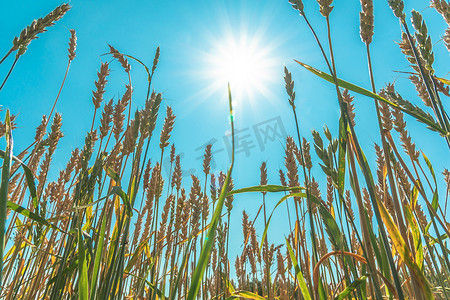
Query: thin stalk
(7, 54)
(131, 96)
(59, 93)
(6, 168)
(267, 247)
(154, 271)
(439, 102)
(330, 45)
(9, 72)
(227, 282)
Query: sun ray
(244, 62)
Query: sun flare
(243, 62)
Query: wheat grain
(106, 118)
(297, 5)
(306, 154)
(100, 84)
(407, 144)
(72, 44)
(37, 26)
(366, 21)
(120, 57)
(282, 178)
(421, 89)
(350, 106)
(290, 164)
(423, 40)
(325, 7)
(177, 174)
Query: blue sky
(189, 34)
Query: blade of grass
(403, 251)
(364, 92)
(417, 239)
(303, 195)
(264, 188)
(31, 215)
(231, 288)
(209, 240)
(66, 271)
(247, 295)
(118, 191)
(298, 273)
(353, 286)
(83, 286)
(136, 255)
(180, 272)
(158, 292)
(98, 255)
(28, 176)
(4, 186)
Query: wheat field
(112, 225)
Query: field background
(189, 34)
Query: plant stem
(9, 72)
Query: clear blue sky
(188, 33)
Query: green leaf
(331, 226)
(298, 273)
(430, 166)
(353, 286)
(66, 271)
(83, 286)
(303, 195)
(28, 177)
(31, 215)
(6, 169)
(435, 202)
(208, 244)
(140, 62)
(112, 174)
(342, 153)
(248, 295)
(119, 192)
(231, 288)
(265, 188)
(136, 255)
(415, 231)
(158, 291)
(403, 250)
(387, 254)
(180, 273)
(364, 92)
(209, 240)
(436, 240)
(98, 254)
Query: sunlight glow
(245, 63)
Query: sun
(244, 62)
